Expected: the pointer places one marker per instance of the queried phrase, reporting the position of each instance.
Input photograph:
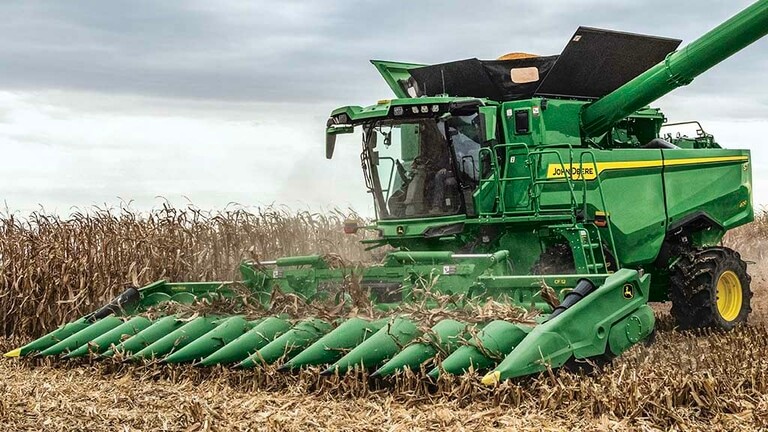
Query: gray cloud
(292, 51)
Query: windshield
(421, 167)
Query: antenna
(442, 75)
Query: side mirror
(372, 140)
(330, 145)
(487, 126)
(330, 138)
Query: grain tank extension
(500, 180)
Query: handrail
(566, 178)
(534, 161)
(602, 200)
(391, 174)
(499, 180)
(533, 177)
(494, 179)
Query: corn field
(55, 268)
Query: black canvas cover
(490, 79)
(594, 63)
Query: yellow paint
(729, 295)
(629, 291)
(575, 170)
(14, 353)
(492, 378)
(694, 161)
(590, 172)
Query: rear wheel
(710, 288)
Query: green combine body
(492, 180)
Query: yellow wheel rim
(729, 295)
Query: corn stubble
(56, 268)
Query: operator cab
(422, 167)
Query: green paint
(491, 344)
(83, 336)
(380, 347)
(54, 337)
(332, 346)
(177, 339)
(242, 347)
(225, 332)
(444, 338)
(146, 337)
(583, 330)
(290, 343)
(102, 343)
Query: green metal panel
(103, 342)
(146, 337)
(631, 330)
(226, 331)
(444, 338)
(491, 345)
(393, 72)
(241, 348)
(83, 336)
(713, 182)
(290, 343)
(378, 348)
(50, 339)
(331, 347)
(581, 331)
(632, 194)
(177, 339)
(552, 121)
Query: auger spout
(678, 69)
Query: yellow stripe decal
(555, 170)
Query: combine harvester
(492, 179)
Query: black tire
(694, 289)
(556, 259)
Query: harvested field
(55, 269)
(682, 382)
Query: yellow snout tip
(14, 353)
(492, 378)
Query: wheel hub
(729, 295)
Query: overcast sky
(226, 101)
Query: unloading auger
(498, 181)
